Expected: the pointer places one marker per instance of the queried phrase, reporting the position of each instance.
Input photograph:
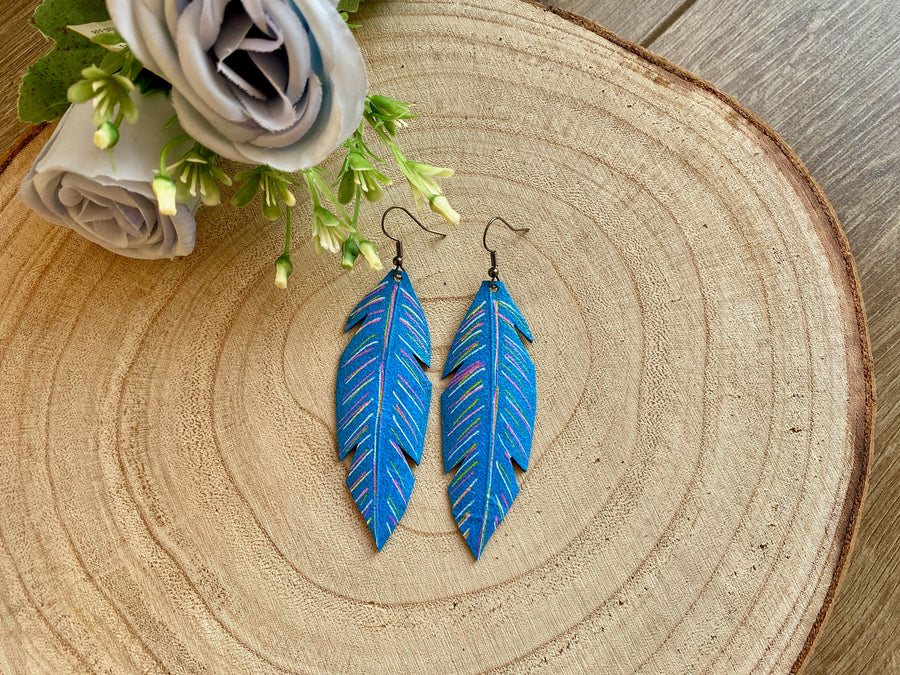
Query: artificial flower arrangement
(152, 95)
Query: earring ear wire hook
(493, 272)
(398, 259)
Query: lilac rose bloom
(72, 183)
(277, 82)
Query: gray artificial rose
(73, 184)
(277, 82)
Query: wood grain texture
(171, 497)
(827, 78)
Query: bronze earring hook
(493, 272)
(398, 259)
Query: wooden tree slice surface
(170, 497)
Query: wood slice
(171, 497)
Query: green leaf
(348, 6)
(112, 62)
(42, 95)
(347, 188)
(148, 82)
(81, 92)
(53, 17)
(248, 190)
(271, 210)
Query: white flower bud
(283, 269)
(164, 189)
(440, 205)
(106, 136)
(367, 248)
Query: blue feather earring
(487, 410)
(383, 396)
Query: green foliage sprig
(109, 87)
(336, 203)
(104, 72)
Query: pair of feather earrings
(487, 410)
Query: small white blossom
(440, 205)
(283, 269)
(165, 190)
(106, 136)
(367, 248)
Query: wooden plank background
(826, 76)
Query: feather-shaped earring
(487, 410)
(383, 396)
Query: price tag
(103, 33)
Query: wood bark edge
(856, 494)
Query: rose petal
(339, 112)
(277, 112)
(161, 48)
(257, 12)
(198, 125)
(308, 110)
(123, 15)
(297, 49)
(158, 7)
(212, 13)
(172, 10)
(342, 62)
(274, 68)
(231, 35)
(198, 69)
(241, 86)
(316, 144)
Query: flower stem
(167, 148)
(399, 157)
(384, 138)
(319, 186)
(287, 230)
(311, 188)
(357, 199)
